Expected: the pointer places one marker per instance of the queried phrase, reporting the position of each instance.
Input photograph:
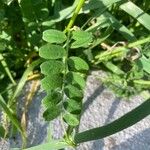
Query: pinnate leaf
(50, 51)
(54, 36)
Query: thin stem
(72, 20)
(142, 82)
(64, 76)
(139, 42)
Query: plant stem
(142, 82)
(72, 20)
(139, 42)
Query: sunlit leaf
(50, 51)
(52, 112)
(54, 36)
(73, 106)
(51, 82)
(75, 78)
(82, 39)
(76, 63)
(71, 119)
(73, 92)
(52, 67)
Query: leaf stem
(72, 20)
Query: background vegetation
(111, 35)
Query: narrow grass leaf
(124, 122)
(52, 145)
(137, 13)
(24, 79)
(10, 115)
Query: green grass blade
(137, 13)
(24, 79)
(6, 68)
(126, 33)
(120, 124)
(52, 145)
(10, 115)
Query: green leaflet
(82, 39)
(52, 98)
(137, 13)
(52, 67)
(52, 145)
(52, 112)
(51, 82)
(75, 78)
(73, 106)
(77, 64)
(145, 63)
(50, 51)
(73, 92)
(124, 122)
(71, 119)
(54, 36)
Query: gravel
(100, 106)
